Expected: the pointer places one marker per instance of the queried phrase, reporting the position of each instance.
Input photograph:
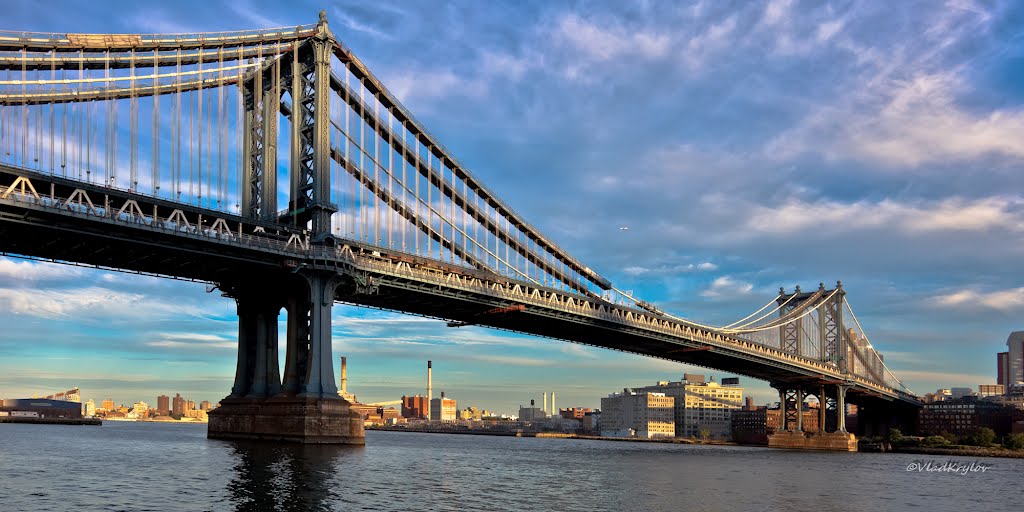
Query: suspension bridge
(274, 166)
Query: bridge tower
(305, 406)
(812, 328)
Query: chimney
(442, 395)
(545, 409)
(344, 375)
(532, 403)
(430, 385)
(554, 410)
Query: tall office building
(1003, 368)
(642, 414)
(163, 405)
(1015, 364)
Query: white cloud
(603, 43)
(36, 271)
(726, 286)
(1003, 300)
(670, 269)
(776, 12)
(410, 86)
(89, 303)
(951, 214)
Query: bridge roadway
(53, 218)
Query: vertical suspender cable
(155, 183)
(391, 172)
(199, 130)
(376, 167)
(134, 114)
(53, 77)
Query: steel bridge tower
(306, 406)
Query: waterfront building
(140, 410)
(414, 407)
(637, 414)
(205, 405)
(963, 416)
(701, 404)
(961, 392)
(591, 423)
(163, 405)
(42, 408)
(107, 405)
(753, 425)
(471, 413)
(987, 390)
(178, 405)
(531, 413)
(574, 413)
(90, 408)
(442, 409)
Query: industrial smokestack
(545, 409)
(554, 410)
(344, 375)
(430, 385)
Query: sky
(747, 146)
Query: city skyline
(908, 157)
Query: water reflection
(274, 476)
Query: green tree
(705, 434)
(895, 436)
(935, 441)
(1014, 442)
(983, 436)
(949, 436)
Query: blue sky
(746, 145)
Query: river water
(153, 466)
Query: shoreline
(51, 421)
(560, 435)
(960, 452)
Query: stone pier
(305, 407)
(831, 441)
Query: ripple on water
(153, 466)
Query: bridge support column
(306, 407)
(790, 402)
(799, 411)
(841, 408)
(821, 409)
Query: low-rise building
(531, 413)
(701, 405)
(442, 409)
(638, 414)
(414, 407)
(965, 415)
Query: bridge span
(379, 214)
